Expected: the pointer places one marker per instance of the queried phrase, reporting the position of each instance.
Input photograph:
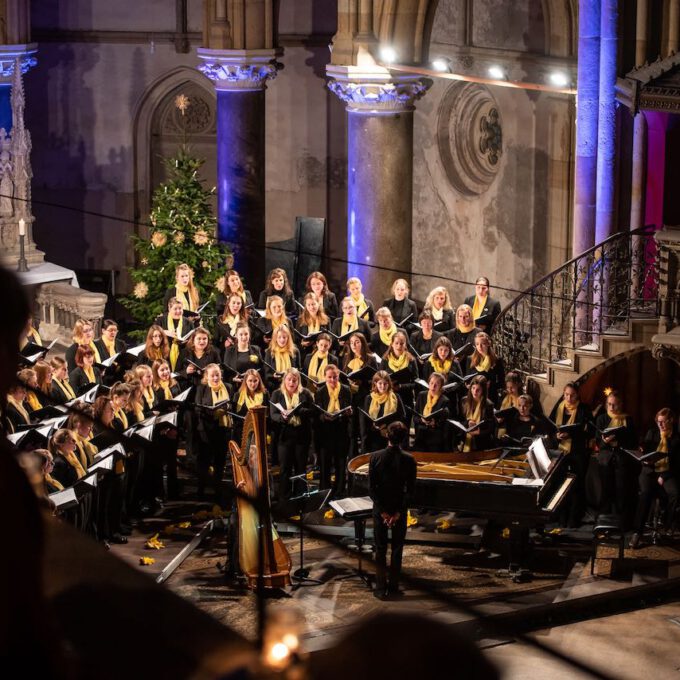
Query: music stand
(359, 517)
(307, 502)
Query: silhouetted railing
(596, 293)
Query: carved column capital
(375, 90)
(9, 54)
(239, 70)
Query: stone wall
(500, 209)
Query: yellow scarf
(349, 323)
(484, 366)
(231, 321)
(313, 326)
(110, 347)
(73, 461)
(317, 366)
(174, 345)
(291, 402)
(35, 336)
(334, 399)
(437, 314)
(218, 395)
(478, 307)
(465, 329)
(82, 457)
(397, 363)
(662, 465)
(182, 293)
(138, 411)
(565, 444)
(377, 400)
(442, 367)
(616, 419)
(430, 404)
(244, 398)
(120, 414)
(149, 396)
(33, 401)
(360, 302)
(89, 372)
(65, 387)
(283, 321)
(387, 335)
(282, 359)
(165, 386)
(19, 407)
(510, 400)
(54, 483)
(90, 450)
(355, 364)
(472, 413)
(97, 356)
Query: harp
(249, 463)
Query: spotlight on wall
(441, 64)
(497, 72)
(559, 79)
(388, 54)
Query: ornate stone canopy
(654, 86)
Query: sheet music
(65, 497)
(349, 506)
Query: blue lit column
(240, 79)
(606, 125)
(586, 125)
(380, 172)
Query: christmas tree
(182, 230)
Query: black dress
(402, 309)
(437, 438)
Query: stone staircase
(586, 360)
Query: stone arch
(559, 17)
(154, 117)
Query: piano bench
(608, 530)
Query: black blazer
(14, 418)
(362, 328)
(104, 353)
(70, 356)
(392, 478)
(58, 395)
(459, 339)
(428, 370)
(160, 393)
(492, 308)
(332, 359)
(271, 382)
(322, 398)
(377, 345)
(402, 310)
(495, 376)
(517, 429)
(627, 441)
(421, 345)
(584, 417)
(484, 439)
(330, 304)
(80, 382)
(651, 443)
(304, 412)
(369, 434)
(208, 425)
(448, 410)
(447, 322)
(241, 362)
(64, 472)
(212, 356)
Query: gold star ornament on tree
(182, 103)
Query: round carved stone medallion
(470, 137)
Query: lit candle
(22, 227)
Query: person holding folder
(661, 475)
(485, 309)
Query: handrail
(593, 293)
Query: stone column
(15, 155)
(380, 172)
(240, 78)
(606, 127)
(586, 125)
(673, 26)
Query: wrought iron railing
(596, 293)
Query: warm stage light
(388, 54)
(559, 79)
(497, 73)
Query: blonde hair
(42, 370)
(436, 291)
(383, 311)
(354, 279)
(193, 292)
(78, 328)
(156, 380)
(207, 369)
(305, 317)
(397, 281)
(268, 307)
(476, 356)
(290, 345)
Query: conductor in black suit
(483, 305)
(392, 477)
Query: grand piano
(519, 492)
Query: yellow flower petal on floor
(154, 543)
(146, 561)
(184, 525)
(555, 532)
(443, 524)
(329, 514)
(310, 475)
(411, 521)
(506, 533)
